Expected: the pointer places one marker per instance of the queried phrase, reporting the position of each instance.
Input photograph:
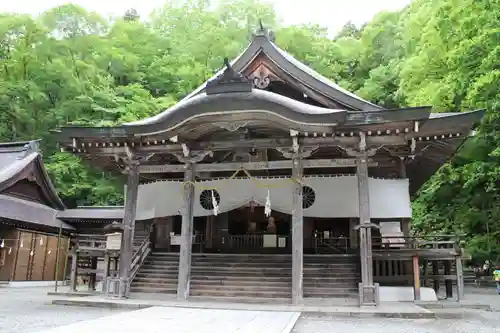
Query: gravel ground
(28, 310)
(481, 323)
(474, 321)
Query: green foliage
(73, 66)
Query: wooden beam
(286, 164)
(118, 148)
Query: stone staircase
(257, 277)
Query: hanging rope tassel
(10, 250)
(214, 203)
(267, 208)
(2, 244)
(41, 241)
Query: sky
(328, 13)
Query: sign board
(114, 241)
(175, 240)
(269, 241)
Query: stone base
(406, 294)
(369, 295)
(117, 288)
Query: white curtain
(333, 196)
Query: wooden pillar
(460, 279)
(297, 234)
(105, 273)
(368, 291)
(186, 235)
(127, 246)
(435, 272)
(416, 278)
(74, 268)
(448, 284)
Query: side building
(35, 225)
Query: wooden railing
(252, 243)
(413, 242)
(392, 257)
(330, 245)
(138, 258)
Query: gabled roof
(307, 79)
(22, 160)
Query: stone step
(248, 283)
(283, 288)
(250, 279)
(247, 300)
(139, 289)
(255, 279)
(242, 293)
(230, 267)
(242, 274)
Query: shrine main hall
(272, 181)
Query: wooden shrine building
(34, 222)
(269, 156)
(29, 226)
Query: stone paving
(29, 311)
(159, 319)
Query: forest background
(69, 65)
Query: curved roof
(18, 160)
(254, 101)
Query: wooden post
(58, 254)
(368, 292)
(186, 235)
(74, 268)
(435, 272)
(448, 283)
(128, 224)
(416, 278)
(297, 234)
(460, 279)
(106, 273)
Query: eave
(95, 214)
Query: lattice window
(308, 197)
(206, 199)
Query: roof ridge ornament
(263, 31)
(229, 81)
(32, 146)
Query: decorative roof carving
(262, 31)
(229, 81)
(261, 76)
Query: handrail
(138, 258)
(327, 242)
(412, 242)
